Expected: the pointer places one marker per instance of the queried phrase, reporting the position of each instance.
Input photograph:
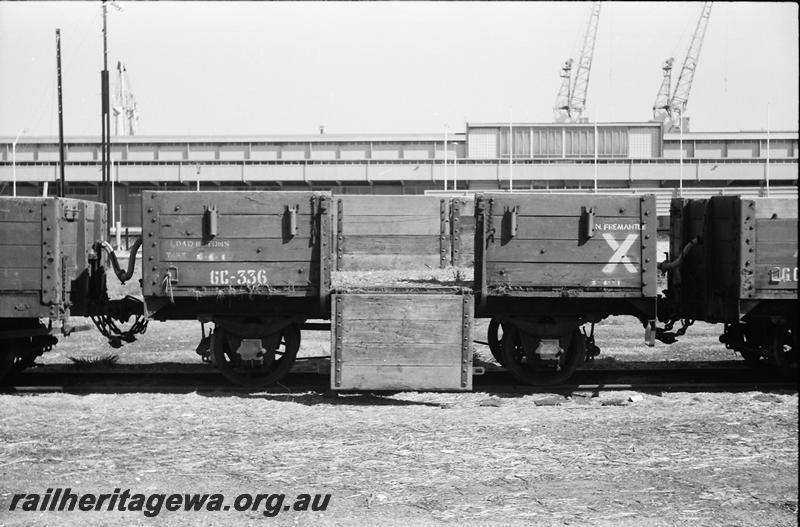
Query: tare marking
(620, 255)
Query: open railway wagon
(547, 264)
(739, 269)
(52, 267)
(401, 313)
(254, 264)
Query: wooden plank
(463, 226)
(405, 377)
(390, 225)
(21, 305)
(222, 275)
(595, 250)
(20, 234)
(239, 202)
(384, 262)
(400, 332)
(776, 207)
(236, 250)
(467, 227)
(776, 253)
(28, 279)
(391, 205)
(388, 354)
(232, 225)
(390, 244)
(780, 230)
(573, 275)
(402, 306)
(20, 210)
(21, 257)
(565, 204)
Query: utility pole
(595, 152)
(14, 162)
(445, 158)
(510, 156)
(105, 118)
(62, 189)
(766, 172)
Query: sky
(240, 68)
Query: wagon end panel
(216, 245)
(86, 220)
(29, 257)
(462, 225)
(569, 245)
(375, 233)
(687, 286)
(401, 342)
(724, 237)
(772, 251)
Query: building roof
(731, 136)
(182, 139)
(590, 124)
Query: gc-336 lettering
(238, 277)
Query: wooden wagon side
(743, 274)
(392, 232)
(546, 264)
(255, 264)
(49, 267)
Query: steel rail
(138, 380)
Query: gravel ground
(414, 459)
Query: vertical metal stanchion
(61, 182)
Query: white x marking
(620, 253)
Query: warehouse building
(609, 157)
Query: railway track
(187, 378)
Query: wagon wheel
(521, 358)
(784, 352)
(751, 358)
(753, 344)
(495, 343)
(20, 353)
(6, 365)
(243, 363)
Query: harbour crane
(561, 110)
(571, 99)
(661, 107)
(671, 109)
(125, 112)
